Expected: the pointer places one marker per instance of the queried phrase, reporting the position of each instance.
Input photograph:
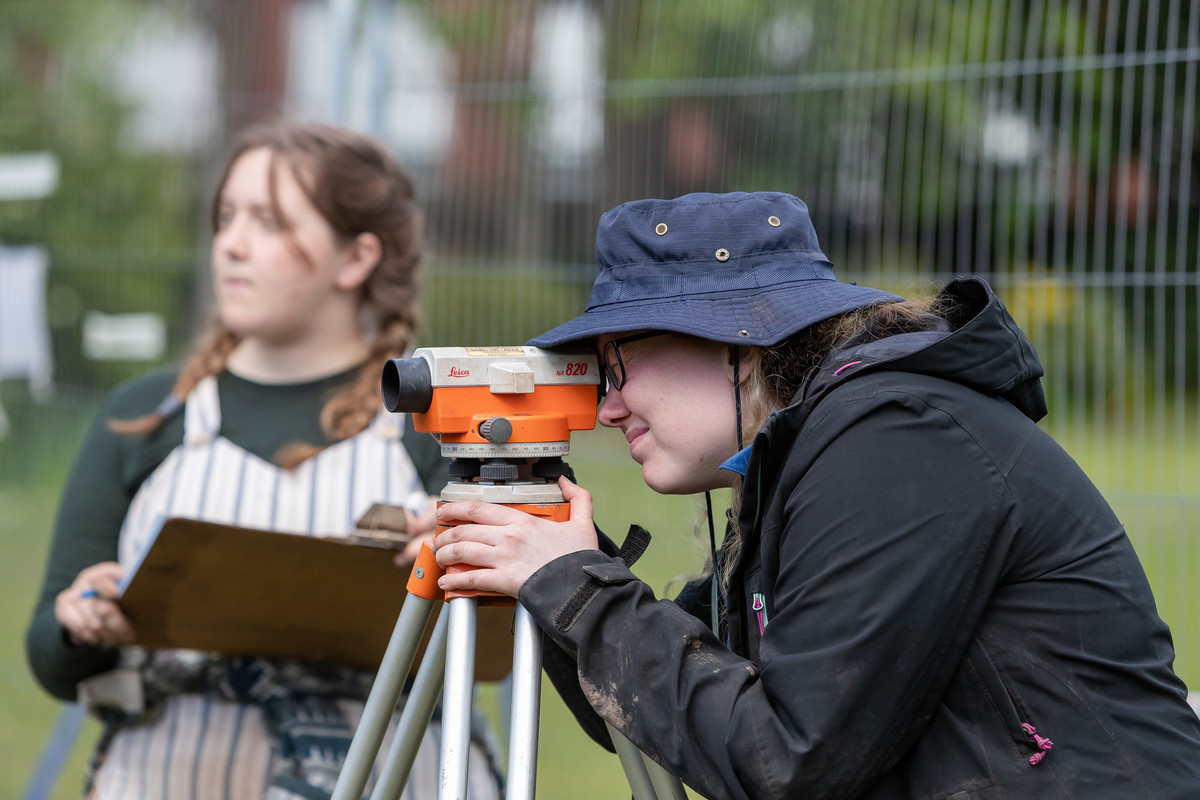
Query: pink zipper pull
(757, 604)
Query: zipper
(760, 608)
(1012, 712)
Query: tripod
(449, 662)
(504, 416)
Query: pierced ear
(360, 259)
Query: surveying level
(504, 417)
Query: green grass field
(1155, 482)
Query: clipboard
(246, 591)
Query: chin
(232, 317)
(239, 323)
(666, 484)
(687, 483)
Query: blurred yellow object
(1039, 300)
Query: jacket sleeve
(561, 668)
(563, 671)
(884, 571)
(91, 510)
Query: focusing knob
(549, 469)
(464, 468)
(497, 470)
(496, 430)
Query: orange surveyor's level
(547, 415)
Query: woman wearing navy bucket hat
(919, 594)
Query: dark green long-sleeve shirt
(261, 418)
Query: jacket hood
(980, 347)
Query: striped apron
(198, 747)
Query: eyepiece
(407, 385)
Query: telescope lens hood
(407, 385)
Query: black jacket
(932, 601)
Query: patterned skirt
(198, 747)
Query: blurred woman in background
(317, 242)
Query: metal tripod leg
(463, 613)
(527, 703)
(385, 692)
(647, 779)
(456, 704)
(453, 644)
(634, 766)
(666, 785)
(418, 710)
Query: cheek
(679, 392)
(310, 270)
(285, 273)
(654, 403)
(705, 419)
(684, 421)
(298, 297)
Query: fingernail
(89, 593)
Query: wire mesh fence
(1047, 145)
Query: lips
(235, 282)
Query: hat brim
(763, 317)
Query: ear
(359, 261)
(747, 360)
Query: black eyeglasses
(614, 365)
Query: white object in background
(28, 176)
(24, 332)
(133, 337)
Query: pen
(90, 593)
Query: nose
(613, 409)
(230, 238)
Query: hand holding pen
(88, 611)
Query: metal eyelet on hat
(744, 333)
(773, 221)
(660, 228)
(722, 254)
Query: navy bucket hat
(738, 268)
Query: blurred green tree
(120, 227)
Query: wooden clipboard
(245, 591)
